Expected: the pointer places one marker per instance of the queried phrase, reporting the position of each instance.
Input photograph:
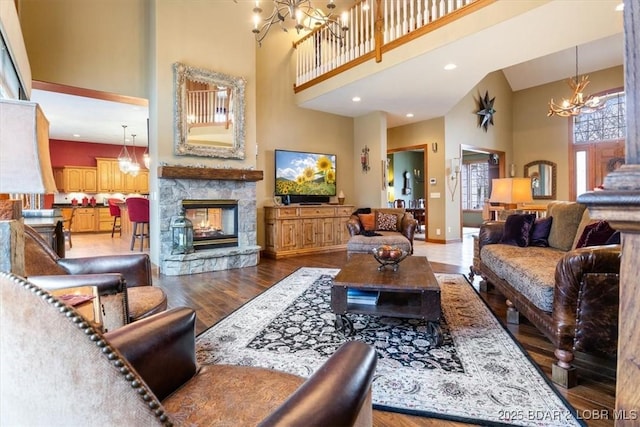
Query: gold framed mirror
(543, 178)
(208, 113)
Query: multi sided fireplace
(215, 222)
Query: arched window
(597, 143)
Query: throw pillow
(386, 222)
(614, 239)
(517, 229)
(368, 221)
(540, 232)
(595, 234)
(566, 219)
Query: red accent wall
(72, 153)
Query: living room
(108, 66)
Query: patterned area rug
(478, 375)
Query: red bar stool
(138, 208)
(114, 211)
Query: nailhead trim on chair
(95, 336)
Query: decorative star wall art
(486, 111)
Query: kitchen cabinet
(84, 221)
(58, 176)
(110, 178)
(104, 219)
(138, 183)
(79, 179)
(300, 230)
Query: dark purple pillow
(517, 229)
(595, 234)
(540, 232)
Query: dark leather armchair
(142, 298)
(55, 369)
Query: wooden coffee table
(410, 292)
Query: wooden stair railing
(373, 30)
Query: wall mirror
(208, 113)
(543, 178)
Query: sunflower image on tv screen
(308, 174)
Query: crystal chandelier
(302, 13)
(577, 104)
(124, 159)
(134, 166)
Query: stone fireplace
(220, 187)
(215, 222)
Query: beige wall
(424, 133)
(281, 124)
(538, 137)
(370, 130)
(97, 45)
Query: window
(598, 143)
(475, 184)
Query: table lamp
(511, 191)
(25, 168)
(25, 162)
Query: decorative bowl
(388, 255)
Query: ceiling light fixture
(409, 115)
(356, 99)
(450, 67)
(134, 166)
(302, 13)
(577, 104)
(124, 159)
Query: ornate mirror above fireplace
(208, 113)
(543, 178)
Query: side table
(90, 310)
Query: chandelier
(134, 166)
(577, 104)
(304, 15)
(124, 159)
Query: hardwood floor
(216, 295)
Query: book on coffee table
(357, 296)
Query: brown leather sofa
(401, 237)
(142, 299)
(582, 300)
(55, 369)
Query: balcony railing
(375, 26)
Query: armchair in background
(146, 373)
(142, 298)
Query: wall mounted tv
(305, 177)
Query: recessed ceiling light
(409, 115)
(450, 67)
(620, 7)
(76, 135)
(356, 99)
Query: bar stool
(138, 208)
(114, 211)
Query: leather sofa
(55, 369)
(570, 294)
(363, 242)
(142, 299)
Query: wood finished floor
(216, 295)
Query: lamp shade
(25, 162)
(511, 190)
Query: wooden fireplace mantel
(186, 172)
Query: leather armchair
(142, 298)
(145, 373)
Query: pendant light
(134, 166)
(124, 159)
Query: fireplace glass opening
(215, 222)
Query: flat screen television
(305, 177)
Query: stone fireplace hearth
(177, 183)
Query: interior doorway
(479, 166)
(406, 187)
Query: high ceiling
(533, 48)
